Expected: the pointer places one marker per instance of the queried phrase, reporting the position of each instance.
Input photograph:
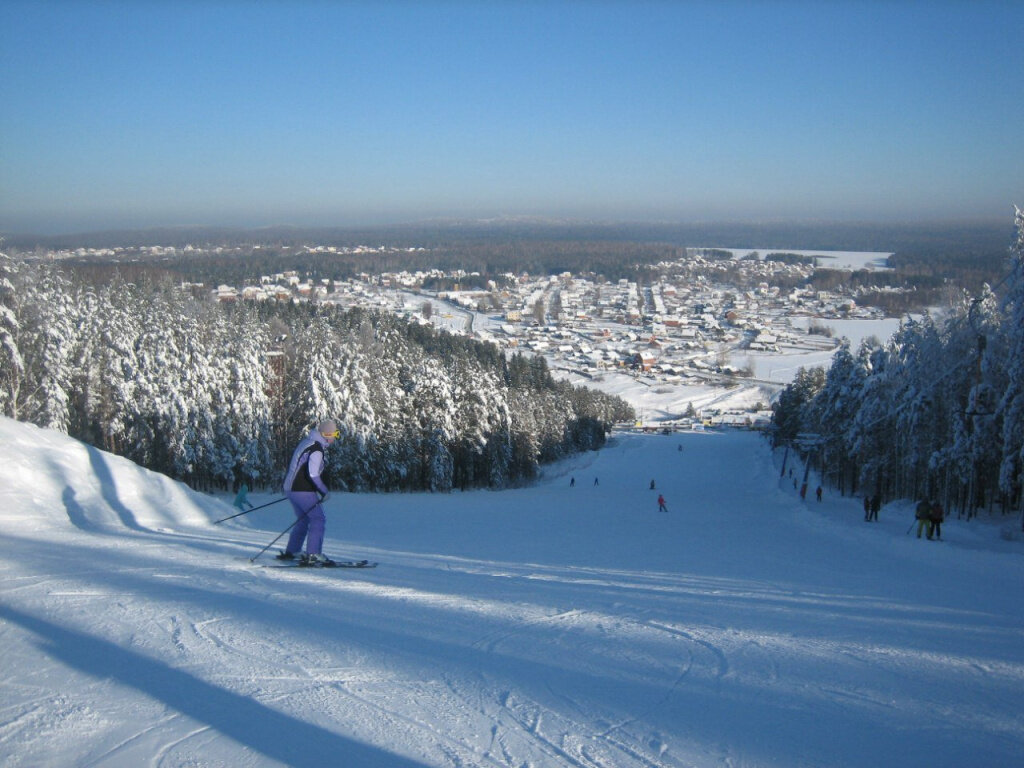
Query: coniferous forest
(937, 411)
(217, 395)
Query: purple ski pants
(310, 525)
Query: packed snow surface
(554, 625)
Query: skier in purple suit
(306, 491)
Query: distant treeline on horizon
(819, 235)
(927, 257)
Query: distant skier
(595, 481)
(306, 491)
(818, 493)
(661, 504)
(652, 485)
(936, 516)
(242, 499)
(923, 515)
(876, 504)
(572, 482)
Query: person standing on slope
(936, 516)
(306, 491)
(242, 499)
(923, 514)
(661, 504)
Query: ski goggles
(333, 435)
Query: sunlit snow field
(555, 625)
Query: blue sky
(251, 113)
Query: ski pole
(911, 528)
(247, 511)
(282, 533)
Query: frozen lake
(852, 260)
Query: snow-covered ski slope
(547, 626)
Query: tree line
(242, 264)
(219, 394)
(937, 411)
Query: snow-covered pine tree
(792, 412)
(981, 422)
(58, 340)
(116, 360)
(917, 406)
(833, 410)
(236, 385)
(956, 473)
(1011, 405)
(86, 385)
(164, 432)
(354, 413)
(482, 412)
(312, 388)
(434, 407)
(43, 312)
(525, 436)
(391, 447)
(11, 364)
(250, 404)
(870, 432)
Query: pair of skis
(329, 564)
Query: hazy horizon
(441, 223)
(120, 115)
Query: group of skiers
(929, 516)
(662, 506)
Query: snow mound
(49, 481)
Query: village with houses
(701, 323)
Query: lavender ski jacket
(306, 465)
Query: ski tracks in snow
(587, 714)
